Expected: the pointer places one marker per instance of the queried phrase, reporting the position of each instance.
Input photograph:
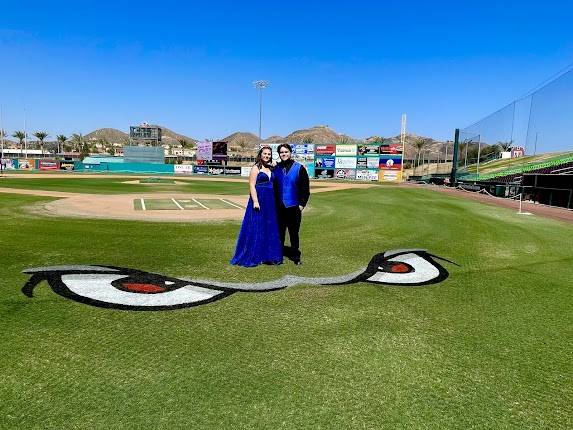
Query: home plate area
(183, 204)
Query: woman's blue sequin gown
(258, 241)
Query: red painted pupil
(399, 268)
(144, 288)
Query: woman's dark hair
(284, 145)
(259, 159)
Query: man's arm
(303, 185)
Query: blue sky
(355, 66)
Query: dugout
(549, 189)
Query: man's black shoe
(297, 262)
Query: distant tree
(41, 135)
(77, 141)
(84, 150)
(20, 135)
(308, 139)
(111, 150)
(505, 146)
(420, 143)
(61, 139)
(344, 140)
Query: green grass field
(488, 348)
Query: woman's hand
(256, 206)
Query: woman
(258, 241)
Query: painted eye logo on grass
(132, 289)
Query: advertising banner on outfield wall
(302, 148)
(183, 169)
(348, 150)
(362, 162)
(216, 170)
(393, 162)
(220, 151)
(8, 164)
(394, 148)
(372, 162)
(390, 175)
(325, 150)
(48, 165)
(345, 163)
(367, 175)
(303, 158)
(324, 173)
(310, 169)
(200, 170)
(368, 150)
(246, 171)
(324, 162)
(233, 170)
(68, 165)
(345, 173)
(25, 164)
(204, 150)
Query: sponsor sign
(200, 170)
(349, 150)
(303, 158)
(233, 170)
(325, 149)
(362, 162)
(310, 169)
(216, 170)
(183, 169)
(204, 150)
(368, 150)
(68, 165)
(324, 173)
(390, 175)
(345, 163)
(48, 165)
(372, 162)
(394, 148)
(246, 171)
(305, 148)
(367, 175)
(393, 162)
(324, 162)
(25, 164)
(214, 163)
(345, 173)
(7, 164)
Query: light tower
(260, 85)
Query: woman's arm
(252, 189)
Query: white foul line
(142, 204)
(200, 204)
(178, 205)
(230, 203)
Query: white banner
(349, 150)
(183, 169)
(345, 163)
(246, 170)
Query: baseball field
(489, 347)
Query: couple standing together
(278, 195)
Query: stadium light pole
(1, 140)
(260, 86)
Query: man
(292, 194)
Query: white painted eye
(406, 269)
(98, 287)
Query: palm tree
(77, 140)
(20, 135)
(419, 144)
(41, 135)
(61, 140)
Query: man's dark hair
(284, 145)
